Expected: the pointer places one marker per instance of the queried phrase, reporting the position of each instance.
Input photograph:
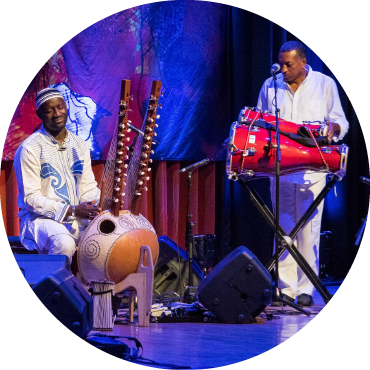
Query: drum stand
(286, 240)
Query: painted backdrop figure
(303, 95)
(57, 188)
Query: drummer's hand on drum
(334, 129)
(87, 210)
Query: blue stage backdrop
(184, 44)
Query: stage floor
(207, 345)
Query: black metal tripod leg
(268, 216)
(261, 206)
(302, 263)
(271, 263)
(324, 192)
(303, 220)
(307, 270)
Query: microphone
(275, 68)
(365, 180)
(195, 165)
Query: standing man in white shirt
(302, 95)
(57, 188)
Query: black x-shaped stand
(269, 217)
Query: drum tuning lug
(152, 151)
(249, 152)
(128, 130)
(147, 178)
(233, 176)
(127, 139)
(146, 189)
(149, 169)
(326, 149)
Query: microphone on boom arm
(194, 166)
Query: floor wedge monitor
(237, 289)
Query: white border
(33, 30)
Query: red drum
(249, 115)
(252, 153)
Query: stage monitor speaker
(66, 298)
(171, 273)
(237, 289)
(36, 267)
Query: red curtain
(164, 204)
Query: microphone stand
(189, 231)
(191, 291)
(276, 296)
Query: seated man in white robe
(57, 188)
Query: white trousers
(52, 237)
(295, 199)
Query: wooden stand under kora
(118, 245)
